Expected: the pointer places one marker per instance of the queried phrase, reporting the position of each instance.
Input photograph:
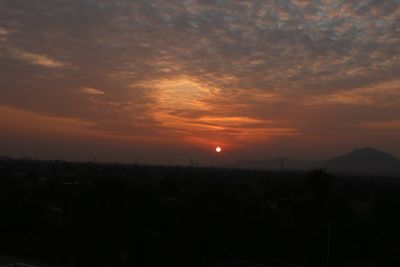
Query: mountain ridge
(365, 160)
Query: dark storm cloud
(110, 61)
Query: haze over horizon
(168, 81)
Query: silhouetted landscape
(87, 214)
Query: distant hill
(359, 161)
(365, 160)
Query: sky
(167, 81)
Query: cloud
(3, 31)
(185, 106)
(91, 91)
(3, 34)
(22, 121)
(388, 125)
(37, 59)
(382, 94)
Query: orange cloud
(21, 121)
(202, 113)
(385, 93)
(37, 59)
(16, 121)
(91, 91)
(389, 125)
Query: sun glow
(181, 93)
(218, 149)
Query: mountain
(359, 161)
(365, 160)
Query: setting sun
(218, 149)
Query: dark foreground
(75, 214)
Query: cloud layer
(235, 72)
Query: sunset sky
(167, 81)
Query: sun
(218, 149)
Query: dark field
(86, 214)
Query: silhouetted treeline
(86, 214)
